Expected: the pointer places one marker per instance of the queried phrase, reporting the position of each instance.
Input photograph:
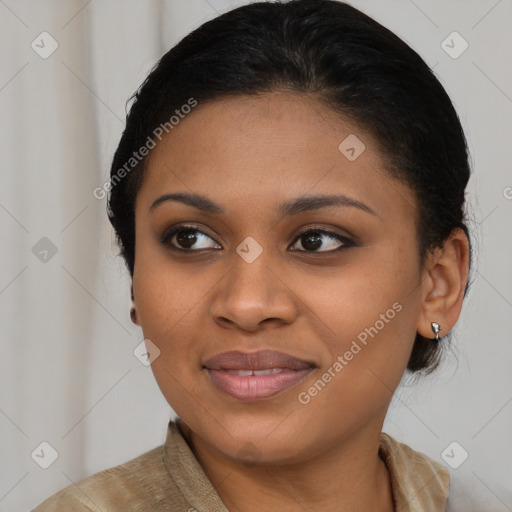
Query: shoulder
(410, 460)
(419, 483)
(141, 484)
(426, 485)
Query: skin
(249, 154)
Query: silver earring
(435, 329)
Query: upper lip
(261, 360)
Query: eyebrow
(286, 209)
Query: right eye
(187, 239)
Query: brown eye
(188, 238)
(319, 240)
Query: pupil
(317, 241)
(186, 238)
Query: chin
(257, 439)
(264, 452)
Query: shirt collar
(419, 484)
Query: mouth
(257, 375)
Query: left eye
(187, 236)
(319, 240)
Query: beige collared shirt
(169, 478)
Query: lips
(262, 360)
(256, 375)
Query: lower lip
(256, 387)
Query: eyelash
(347, 243)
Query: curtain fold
(64, 297)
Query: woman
(288, 196)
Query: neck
(350, 478)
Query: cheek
(364, 372)
(172, 310)
(165, 294)
(369, 313)
(168, 307)
(356, 294)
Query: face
(298, 246)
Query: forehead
(254, 149)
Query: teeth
(267, 372)
(242, 373)
(248, 373)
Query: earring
(435, 329)
(133, 315)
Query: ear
(443, 283)
(133, 312)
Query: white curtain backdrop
(68, 376)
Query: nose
(253, 296)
